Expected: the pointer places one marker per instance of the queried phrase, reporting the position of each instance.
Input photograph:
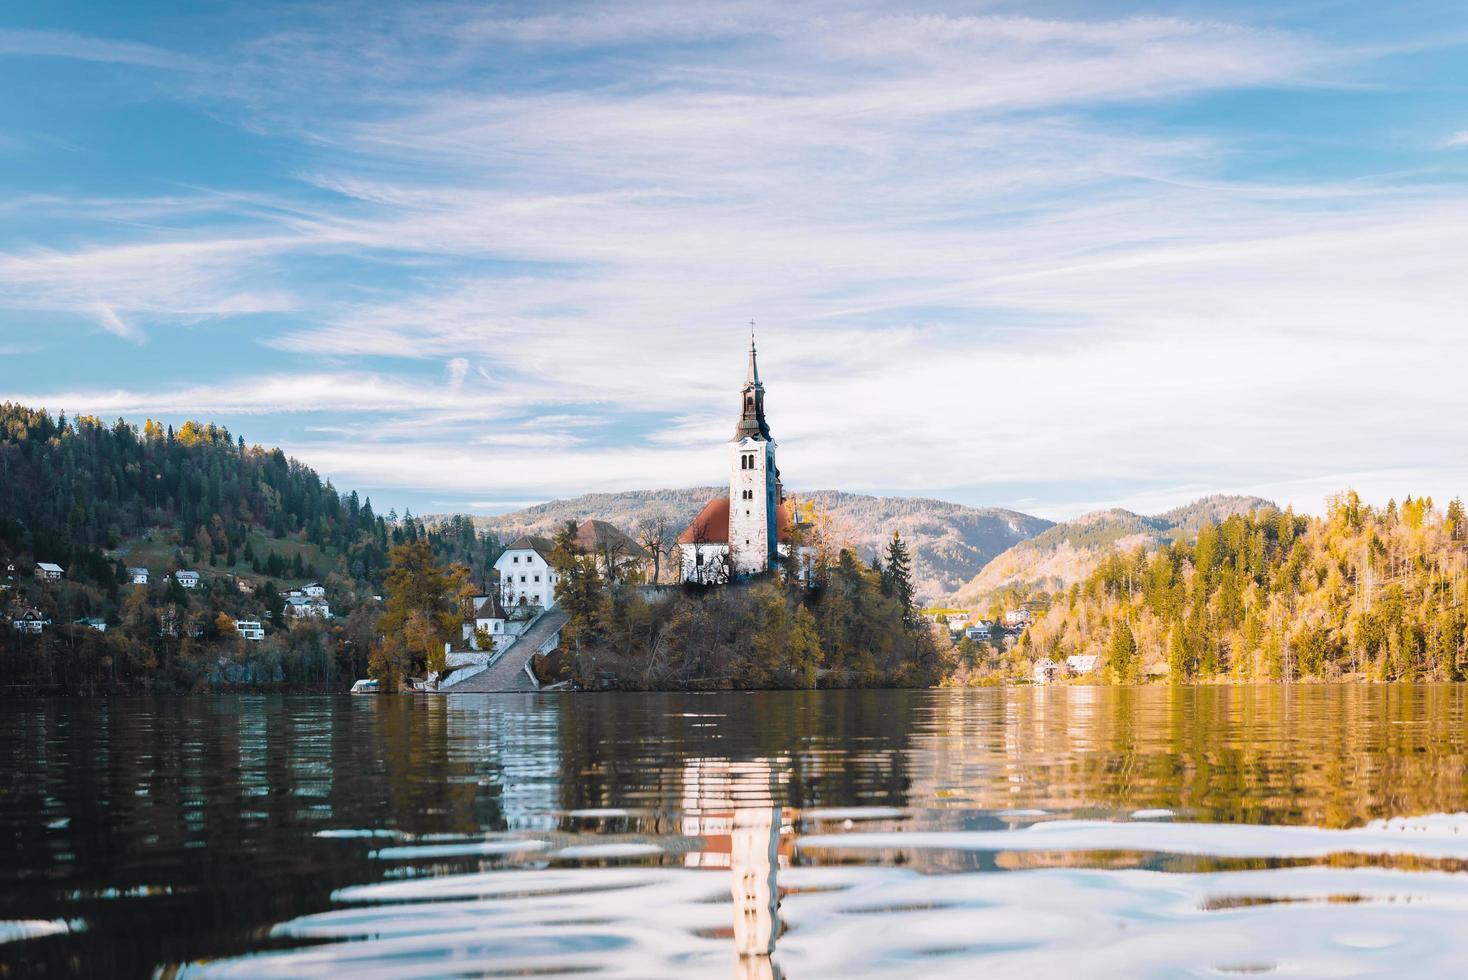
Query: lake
(1080, 831)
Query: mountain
(949, 542)
(1068, 552)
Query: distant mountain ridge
(949, 542)
(1068, 552)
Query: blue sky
(468, 256)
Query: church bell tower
(754, 480)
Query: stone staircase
(509, 670)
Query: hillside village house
(1081, 665)
(526, 577)
(29, 620)
(47, 572)
(747, 532)
(307, 602)
(250, 629)
(93, 622)
(979, 629)
(1047, 671)
(187, 579)
(138, 576)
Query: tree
(581, 591)
(804, 647)
(420, 613)
(897, 578)
(1122, 651)
(655, 534)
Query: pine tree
(897, 579)
(1122, 652)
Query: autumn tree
(420, 614)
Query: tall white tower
(754, 481)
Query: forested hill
(99, 499)
(949, 542)
(86, 495)
(1379, 593)
(1067, 553)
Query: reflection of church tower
(754, 481)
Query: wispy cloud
(18, 42)
(515, 249)
(114, 324)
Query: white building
(525, 573)
(313, 590)
(30, 621)
(250, 629)
(138, 576)
(747, 532)
(501, 626)
(93, 622)
(1047, 671)
(1082, 665)
(1018, 618)
(980, 629)
(187, 579)
(304, 607)
(526, 576)
(49, 573)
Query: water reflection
(730, 807)
(664, 835)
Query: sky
(471, 256)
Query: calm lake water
(1313, 831)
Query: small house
(1018, 618)
(138, 576)
(980, 629)
(93, 622)
(187, 579)
(302, 607)
(313, 590)
(250, 629)
(29, 621)
(1048, 671)
(1082, 665)
(47, 572)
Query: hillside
(949, 542)
(98, 499)
(1070, 551)
(1361, 592)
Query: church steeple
(752, 418)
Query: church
(746, 532)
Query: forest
(98, 498)
(1362, 592)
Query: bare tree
(655, 534)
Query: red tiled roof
(711, 526)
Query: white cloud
(966, 274)
(60, 44)
(114, 324)
(1460, 138)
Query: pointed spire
(751, 377)
(752, 418)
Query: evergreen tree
(897, 579)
